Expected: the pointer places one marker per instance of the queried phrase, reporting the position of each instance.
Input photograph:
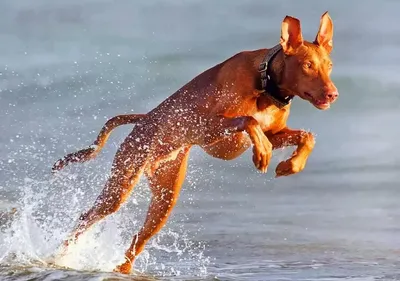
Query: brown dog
(240, 102)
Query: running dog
(241, 102)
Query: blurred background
(68, 66)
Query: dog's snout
(330, 92)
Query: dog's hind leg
(165, 185)
(129, 164)
(86, 154)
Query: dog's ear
(291, 37)
(325, 33)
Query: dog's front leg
(220, 127)
(305, 143)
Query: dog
(241, 102)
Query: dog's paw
(124, 268)
(262, 155)
(288, 167)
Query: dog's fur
(223, 111)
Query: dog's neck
(273, 90)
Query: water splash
(48, 209)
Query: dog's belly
(229, 147)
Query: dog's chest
(271, 118)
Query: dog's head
(307, 66)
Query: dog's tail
(91, 152)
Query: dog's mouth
(318, 103)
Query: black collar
(267, 84)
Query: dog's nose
(332, 95)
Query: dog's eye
(330, 65)
(308, 65)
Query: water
(66, 67)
